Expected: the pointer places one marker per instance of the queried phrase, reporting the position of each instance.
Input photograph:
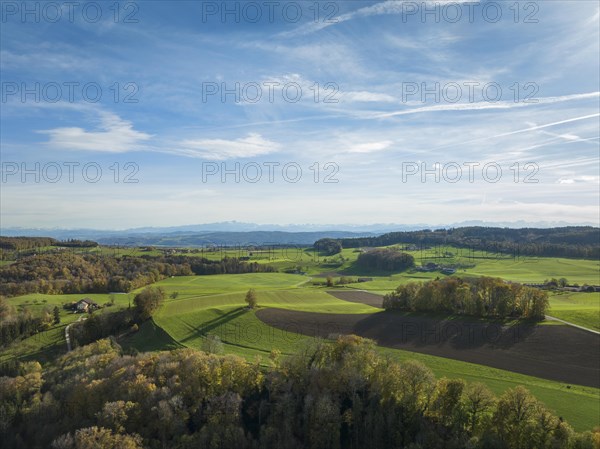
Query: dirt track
(560, 353)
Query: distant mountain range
(239, 233)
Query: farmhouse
(429, 267)
(85, 305)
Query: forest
(481, 297)
(328, 395)
(385, 259)
(574, 241)
(75, 273)
(327, 247)
(22, 243)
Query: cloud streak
(114, 135)
(482, 105)
(221, 149)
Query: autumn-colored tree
(97, 438)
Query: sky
(117, 115)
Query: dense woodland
(481, 297)
(75, 273)
(329, 395)
(22, 243)
(385, 259)
(327, 247)
(28, 243)
(574, 241)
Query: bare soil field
(555, 352)
(362, 297)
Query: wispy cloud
(220, 149)
(370, 147)
(580, 179)
(383, 8)
(114, 135)
(480, 105)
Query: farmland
(197, 306)
(578, 308)
(220, 310)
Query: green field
(578, 308)
(230, 283)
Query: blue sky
(161, 118)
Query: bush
(212, 344)
(252, 299)
(148, 301)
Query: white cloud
(115, 135)
(251, 145)
(580, 179)
(366, 96)
(370, 147)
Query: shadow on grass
(150, 337)
(207, 326)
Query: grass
(36, 302)
(539, 269)
(188, 320)
(194, 286)
(150, 337)
(578, 308)
(219, 310)
(43, 346)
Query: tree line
(572, 241)
(339, 395)
(481, 297)
(28, 243)
(87, 273)
(227, 265)
(21, 243)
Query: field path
(67, 337)
(551, 318)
